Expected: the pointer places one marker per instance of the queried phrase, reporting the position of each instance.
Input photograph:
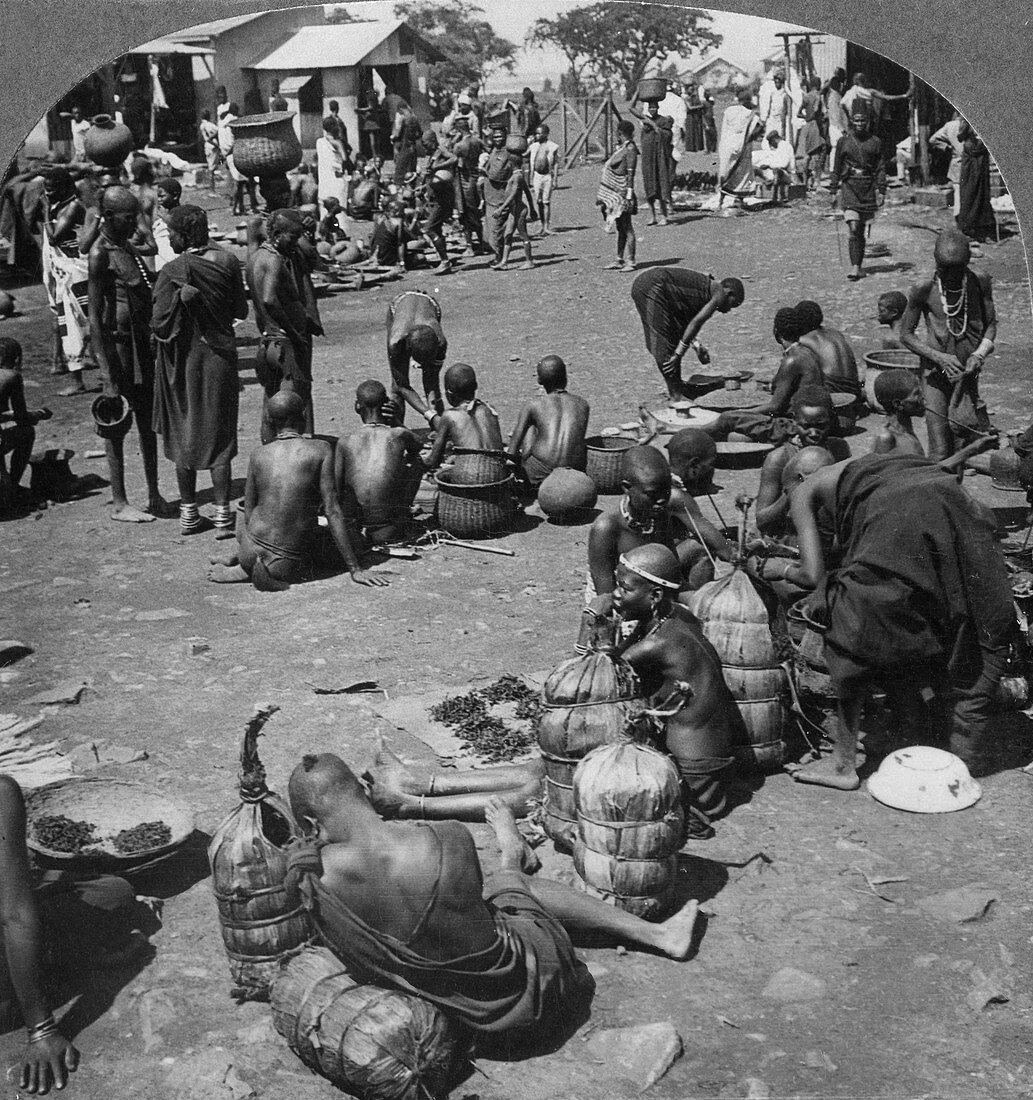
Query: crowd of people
(919, 609)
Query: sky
(746, 39)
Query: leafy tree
(473, 49)
(547, 87)
(337, 13)
(619, 42)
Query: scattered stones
(818, 1059)
(210, 1074)
(643, 1054)
(790, 984)
(197, 647)
(962, 905)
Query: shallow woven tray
(730, 399)
(732, 456)
(674, 420)
(109, 805)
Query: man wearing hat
(120, 313)
(463, 109)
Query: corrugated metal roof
(216, 27)
(333, 46)
(163, 46)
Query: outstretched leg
(579, 912)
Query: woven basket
(472, 467)
(605, 453)
(265, 145)
(474, 511)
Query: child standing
(517, 205)
(543, 156)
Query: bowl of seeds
(109, 824)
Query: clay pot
(108, 142)
(567, 494)
(516, 143)
(1004, 466)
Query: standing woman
(405, 136)
(617, 198)
(657, 160)
(812, 141)
(975, 216)
(740, 125)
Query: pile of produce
(492, 738)
(61, 834)
(142, 838)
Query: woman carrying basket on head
(616, 196)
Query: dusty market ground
(905, 1003)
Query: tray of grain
(735, 456)
(112, 823)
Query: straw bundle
(374, 1043)
(630, 826)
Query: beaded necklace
(633, 524)
(960, 308)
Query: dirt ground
(899, 1002)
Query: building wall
(720, 76)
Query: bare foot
(128, 514)
(392, 773)
(74, 391)
(826, 773)
(528, 266)
(675, 934)
(227, 574)
(228, 558)
(160, 508)
(513, 849)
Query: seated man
(645, 515)
(813, 417)
(681, 675)
(799, 366)
(920, 604)
(81, 923)
(470, 426)
(405, 906)
(17, 423)
(775, 164)
(833, 349)
(377, 470)
(892, 305)
(557, 422)
(414, 333)
(280, 541)
(900, 393)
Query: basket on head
(603, 466)
(266, 144)
(474, 511)
(516, 143)
(112, 416)
(652, 89)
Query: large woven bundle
(248, 859)
(266, 144)
(375, 1043)
(735, 621)
(630, 826)
(587, 702)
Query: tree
(547, 87)
(473, 49)
(337, 13)
(619, 42)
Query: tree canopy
(473, 48)
(619, 43)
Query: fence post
(563, 114)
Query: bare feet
(628, 265)
(228, 558)
(513, 849)
(615, 266)
(826, 773)
(500, 267)
(76, 390)
(128, 514)
(227, 574)
(160, 508)
(675, 934)
(527, 266)
(389, 771)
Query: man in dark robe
(920, 603)
(859, 182)
(976, 214)
(196, 297)
(657, 161)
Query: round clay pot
(108, 142)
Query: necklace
(633, 524)
(959, 308)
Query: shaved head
(320, 784)
(893, 386)
(286, 410)
(642, 464)
(461, 381)
(119, 200)
(952, 249)
(688, 445)
(424, 346)
(807, 462)
(658, 561)
(552, 372)
(370, 394)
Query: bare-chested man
(957, 306)
(285, 353)
(833, 349)
(558, 422)
(681, 672)
(813, 416)
(414, 333)
(17, 423)
(799, 366)
(377, 470)
(693, 456)
(891, 309)
(405, 906)
(470, 425)
(288, 479)
(120, 332)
